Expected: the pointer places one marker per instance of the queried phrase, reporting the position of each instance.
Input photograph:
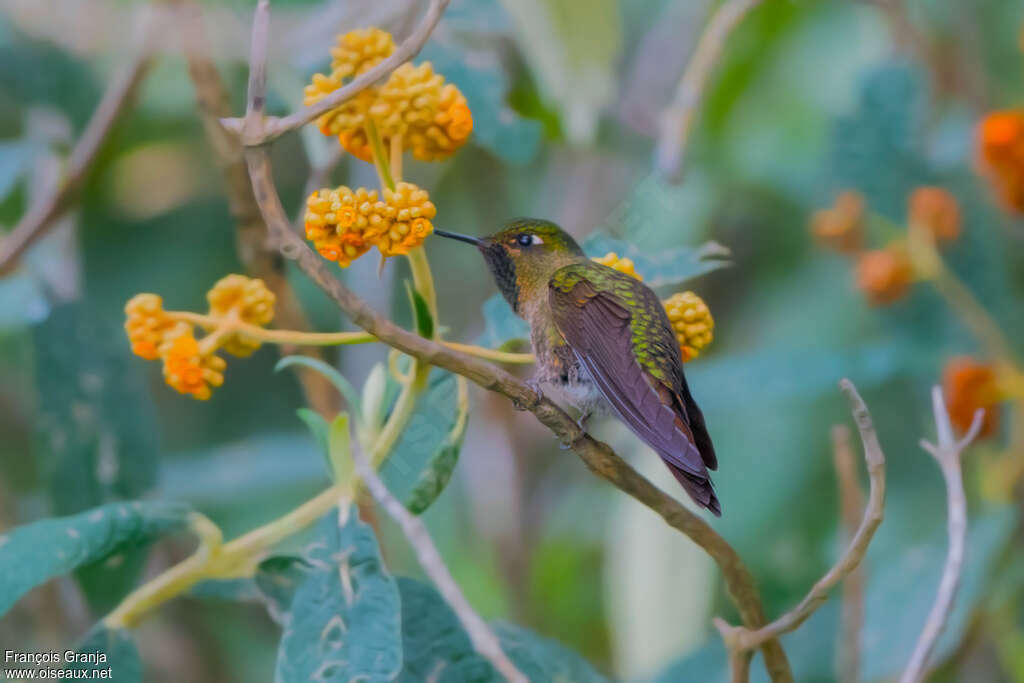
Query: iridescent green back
(654, 343)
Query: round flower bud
(186, 368)
(146, 323)
(935, 210)
(969, 386)
(1000, 153)
(692, 322)
(623, 265)
(841, 227)
(884, 275)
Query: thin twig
(480, 635)
(259, 131)
(743, 638)
(260, 259)
(947, 454)
(677, 120)
(116, 99)
(598, 457)
(851, 502)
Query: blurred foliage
(809, 99)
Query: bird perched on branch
(603, 342)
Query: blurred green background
(810, 98)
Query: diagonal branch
(255, 132)
(947, 454)
(598, 457)
(116, 99)
(677, 120)
(740, 638)
(480, 634)
(260, 259)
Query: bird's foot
(581, 422)
(535, 387)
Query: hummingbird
(603, 343)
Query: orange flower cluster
(841, 227)
(1000, 155)
(431, 118)
(935, 211)
(191, 366)
(884, 275)
(187, 369)
(343, 224)
(969, 386)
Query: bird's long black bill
(456, 236)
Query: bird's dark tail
(699, 487)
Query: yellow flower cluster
(192, 366)
(343, 224)
(623, 265)
(691, 319)
(250, 301)
(430, 117)
(690, 316)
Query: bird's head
(524, 255)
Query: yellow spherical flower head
(146, 324)
(337, 222)
(407, 220)
(249, 300)
(186, 368)
(691, 319)
(623, 265)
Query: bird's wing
(597, 327)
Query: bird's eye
(525, 240)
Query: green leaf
(35, 553)
(379, 391)
(344, 618)
(317, 425)
(345, 387)
(420, 311)
(96, 429)
(484, 81)
(339, 449)
(501, 324)
(22, 301)
(112, 649)
(421, 463)
(672, 266)
(437, 648)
